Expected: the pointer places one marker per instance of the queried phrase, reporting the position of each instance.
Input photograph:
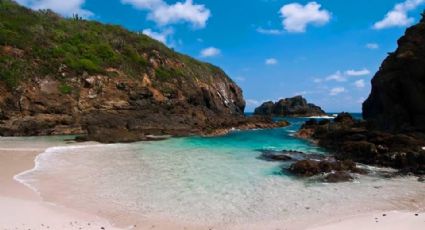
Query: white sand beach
(22, 208)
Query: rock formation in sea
(397, 100)
(292, 107)
(73, 76)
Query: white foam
(49, 151)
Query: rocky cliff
(295, 107)
(72, 76)
(397, 100)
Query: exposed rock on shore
(292, 107)
(351, 139)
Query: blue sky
(325, 50)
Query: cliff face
(296, 107)
(71, 76)
(397, 100)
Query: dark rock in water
(396, 102)
(336, 177)
(421, 179)
(308, 168)
(350, 139)
(295, 107)
(288, 155)
(274, 157)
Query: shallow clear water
(217, 181)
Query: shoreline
(23, 208)
(19, 198)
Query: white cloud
(361, 72)
(360, 83)
(269, 31)
(160, 36)
(210, 52)
(297, 17)
(338, 76)
(337, 90)
(372, 46)
(66, 8)
(165, 14)
(271, 61)
(398, 16)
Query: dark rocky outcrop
(292, 107)
(396, 102)
(321, 167)
(72, 76)
(308, 168)
(350, 139)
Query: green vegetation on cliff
(41, 43)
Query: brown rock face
(396, 102)
(293, 107)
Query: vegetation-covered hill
(73, 76)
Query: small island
(290, 107)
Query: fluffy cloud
(66, 8)
(271, 61)
(210, 52)
(160, 36)
(372, 46)
(297, 17)
(361, 72)
(398, 16)
(337, 90)
(165, 14)
(360, 83)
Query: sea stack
(290, 107)
(397, 100)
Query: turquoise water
(214, 181)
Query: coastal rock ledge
(290, 107)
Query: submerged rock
(308, 168)
(295, 107)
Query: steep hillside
(72, 76)
(397, 100)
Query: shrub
(65, 89)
